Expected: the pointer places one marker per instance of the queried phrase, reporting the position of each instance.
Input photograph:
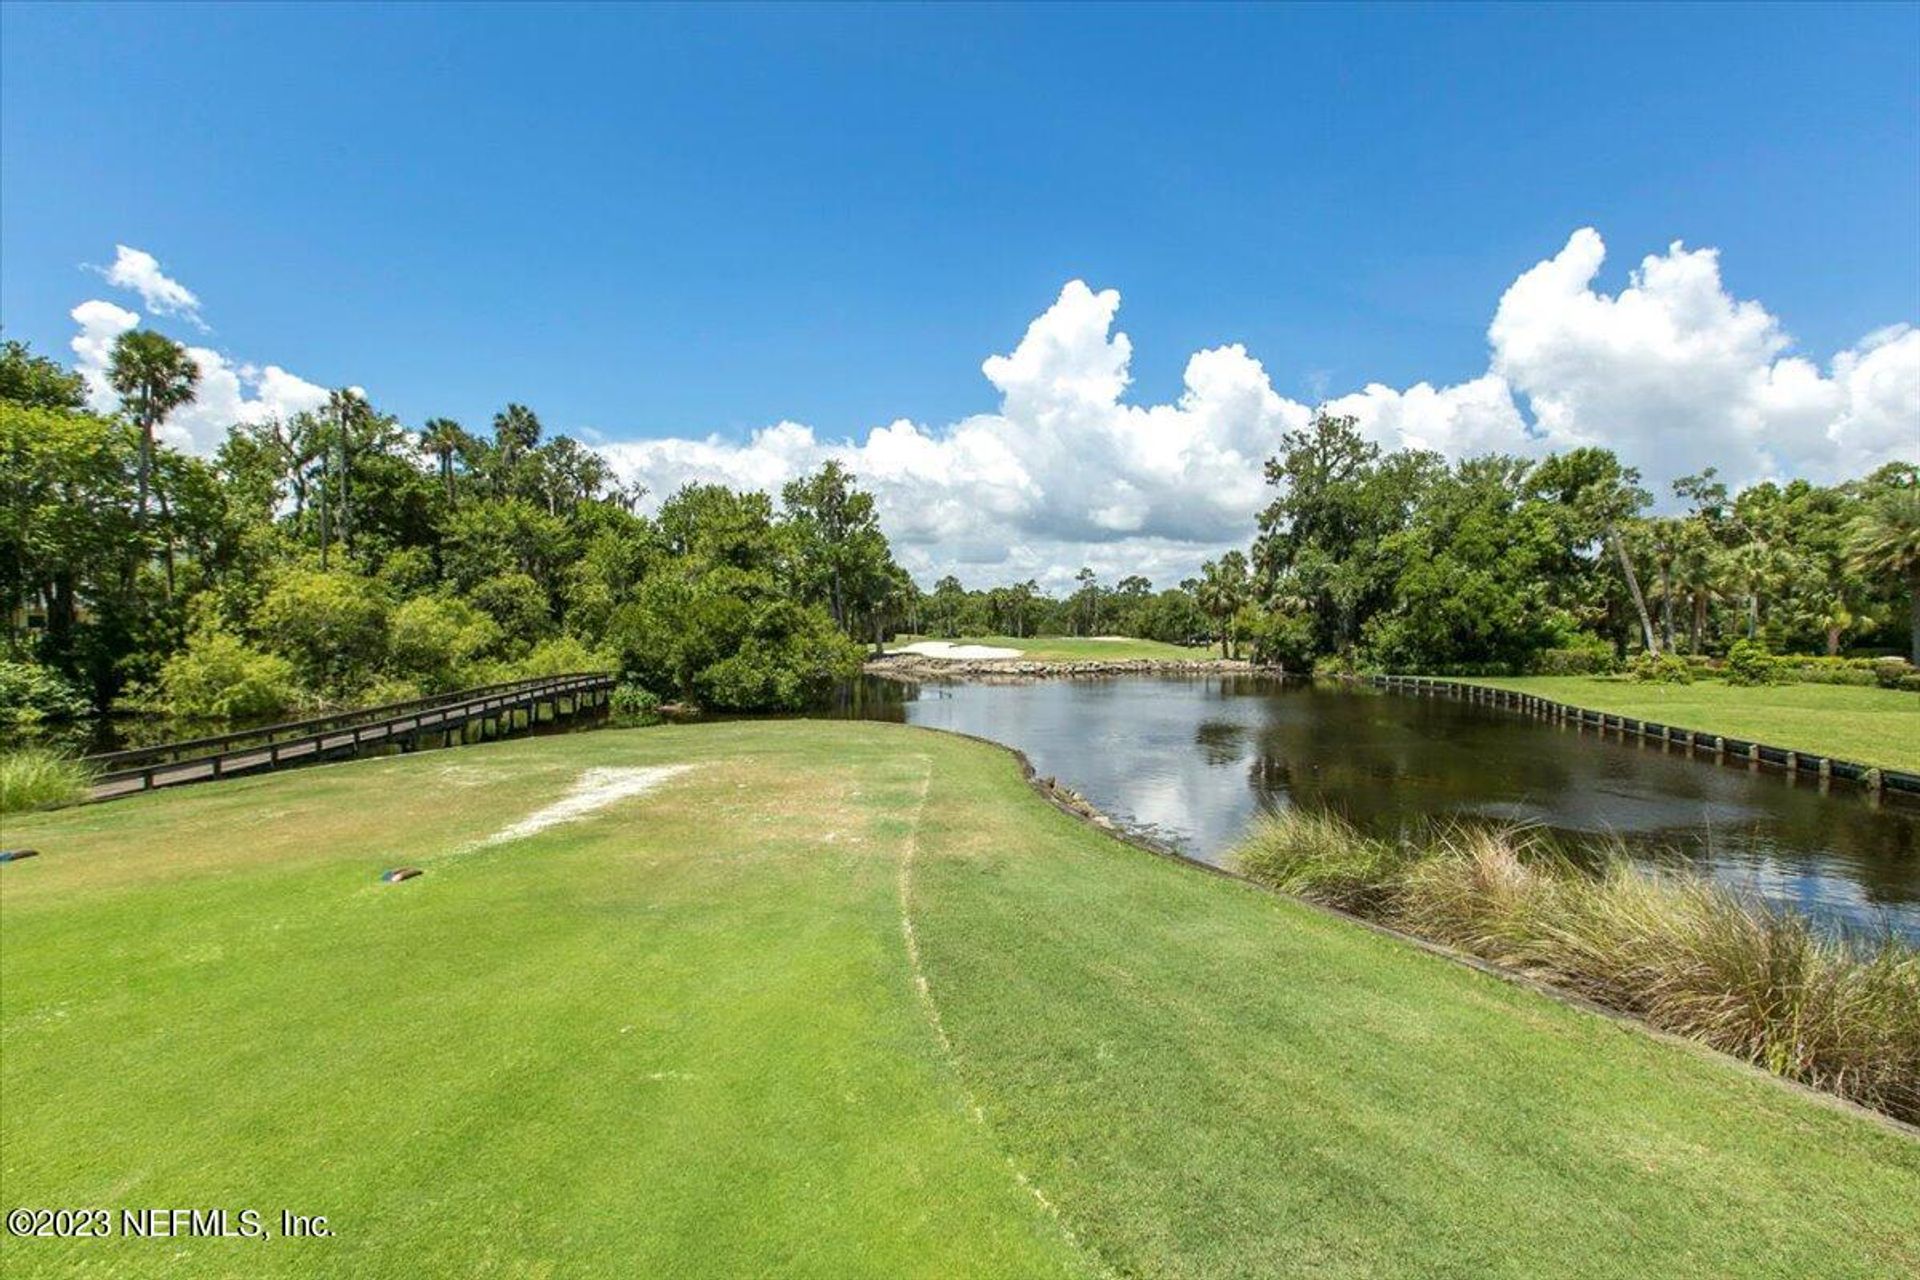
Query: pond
(1190, 761)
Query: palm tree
(1753, 568)
(1884, 544)
(1222, 592)
(153, 375)
(442, 439)
(516, 430)
(1091, 594)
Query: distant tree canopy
(1400, 560)
(1503, 564)
(335, 556)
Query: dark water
(1191, 761)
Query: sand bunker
(956, 652)
(593, 790)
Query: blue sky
(669, 222)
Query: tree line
(1498, 563)
(1504, 565)
(333, 557)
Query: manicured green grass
(1871, 726)
(1077, 649)
(684, 1036)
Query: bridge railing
(266, 735)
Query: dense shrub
(563, 656)
(30, 693)
(1337, 665)
(218, 675)
(635, 704)
(793, 659)
(723, 638)
(1597, 659)
(1677, 950)
(1793, 672)
(1749, 663)
(36, 778)
(1896, 673)
(1284, 640)
(1661, 668)
(435, 641)
(385, 690)
(517, 604)
(331, 626)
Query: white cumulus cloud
(1064, 473)
(1672, 372)
(227, 393)
(140, 271)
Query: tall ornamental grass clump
(1675, 949)
(37, 778)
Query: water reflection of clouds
(1193, 760)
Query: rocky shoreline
(916, 668)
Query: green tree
(1225, 589)
(436, 641)
(1324, 540)
(219, 675)
(842, 557)
(1472, 564)
(1604, 498)
(516, 433)
(66, 515)
(443, 440)
(1086, 602)
(330, 625)
(712, 621)
(153, 375)
(1884, 544)
(36, 381)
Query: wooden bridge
(488, 711)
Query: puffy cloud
(1472, 417)
(140, 271)
(1672, 372)
(227, 393)
(1063, 474)
(100, 324)
(1675, 374)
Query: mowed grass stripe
(681, 1037)
(675, 1038)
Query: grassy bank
(1079, 649)
(1873, 726)
(1685, 954)
(841, 1000)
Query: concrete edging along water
(1077, 807)
(1723, 749)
